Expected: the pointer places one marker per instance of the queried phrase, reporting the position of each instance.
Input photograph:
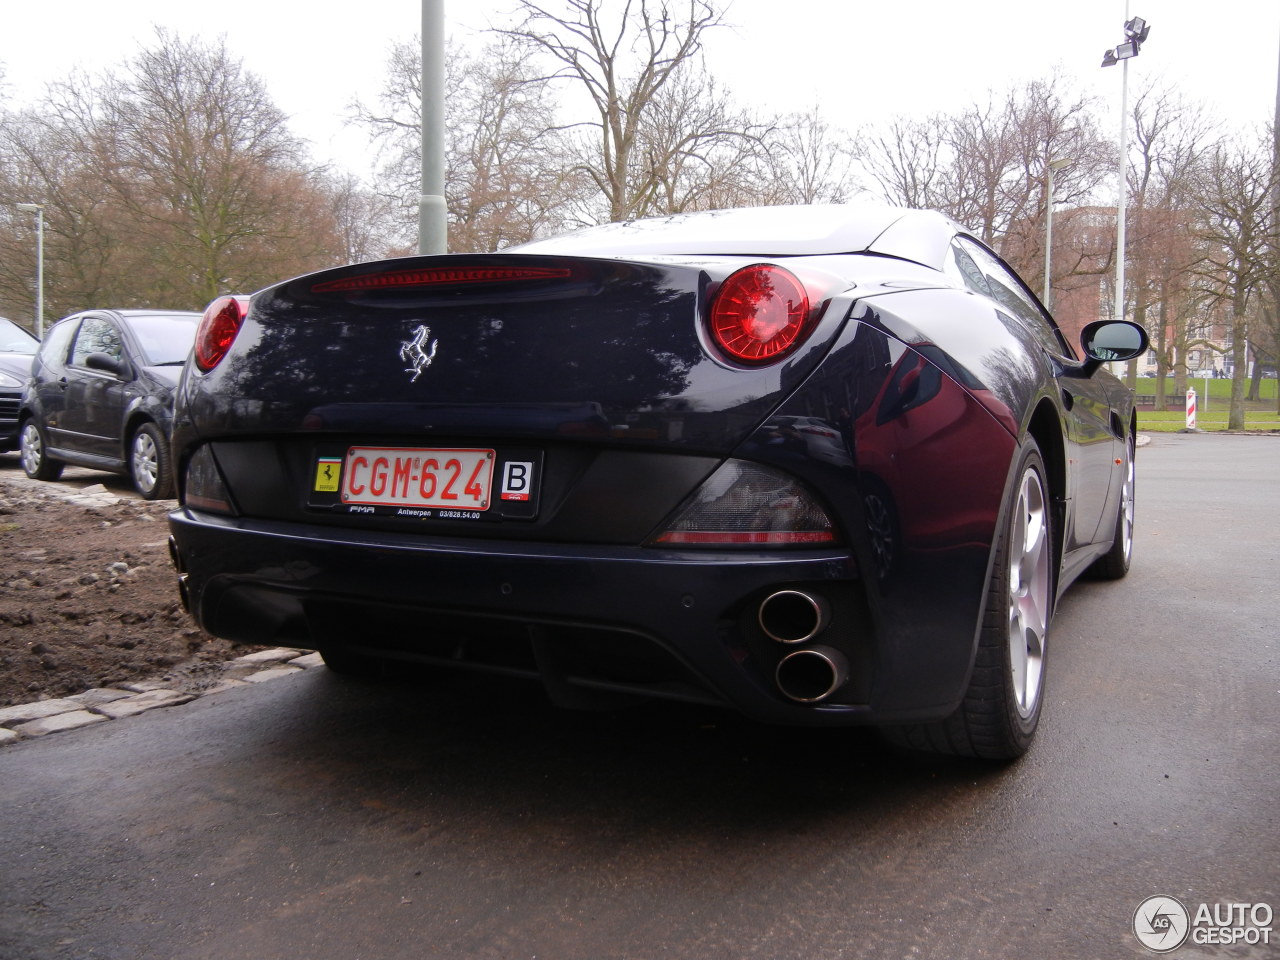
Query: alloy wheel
(1128, 497)
(1029, 601)
(31, 450)
(146, 460)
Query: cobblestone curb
(42, 717)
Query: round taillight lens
(218, 328)
(759, 314)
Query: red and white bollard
(1191, 409)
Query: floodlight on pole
(1137, 30)
(38, 210)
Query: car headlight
(8, 380)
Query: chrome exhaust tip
(793, 616)
(812, 674)
(174, 557)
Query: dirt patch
(88, 597)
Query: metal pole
(1124, 188)
(1124, 184)
(38, 210)
(1054, 166)
(433, 231)
(40, 272)
(1048, 238)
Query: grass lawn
(1211, 410)
(1219, 390)
(1175, 420)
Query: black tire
(1114, 564)
(1001, 709)
(149, 464)
(32, 447)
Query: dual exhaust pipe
(813, 673)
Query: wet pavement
(316, 817)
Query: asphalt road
(320, 819)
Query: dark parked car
(101, 395)
(17, 347)
(823, 465)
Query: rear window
(13, 339)
(166, 340)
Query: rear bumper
(680, 625)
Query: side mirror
(108, 364)
(1108, 341)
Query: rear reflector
(724, 538)
(203, 487)
(439, 276)
(744, 505)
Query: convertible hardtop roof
(784, 231)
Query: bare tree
(623, 64)
(812, 162)
(1170, 138)
(695, 149)
(1237, 227)
(363, 220)
(907, 161)
(394, 126)
(204, 164)
(988, 166)
(508, 179)
(43, 159)
(508, 175)
(167, 184)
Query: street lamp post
(1054, 167)
(38, 210)
(433, 215)
(1135, 32)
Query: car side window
(97, 335)
(1007, 290)
(961, 266)
(54, 347)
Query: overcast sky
(860, 62)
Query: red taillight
(434, 276)
(218, 328)
(759, 314)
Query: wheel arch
(1045, 427)
(134, 422)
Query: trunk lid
(516, 346)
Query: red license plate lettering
(460, 479)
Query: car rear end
(554, 467)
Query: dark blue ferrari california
(821, 465)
